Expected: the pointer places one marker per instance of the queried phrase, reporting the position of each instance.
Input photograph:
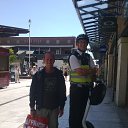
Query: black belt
(81, 85)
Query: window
(47, 41)
(69, 41)
(3, 63)
(57, 41)
(17, 41)
(58, 51)
(8, 41)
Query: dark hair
(82, 36)
(49, 52)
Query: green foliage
(12, 57)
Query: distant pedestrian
(65, 73)
(17, 73)
(33, 70)
(48, 92)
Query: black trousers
(78, 102)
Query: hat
(82, 36)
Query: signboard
(108, 24)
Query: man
(81, 77)
(34, 70)
(65, 73)
(48, 92)
(17, 73)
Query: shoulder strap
(87, 56)
(86, 59)
(75, 53)
(78, 56)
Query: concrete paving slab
(13, 114)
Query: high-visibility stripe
(75, 77)
(82, 77)
(77, 80)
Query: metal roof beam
(93, 35)
(90, 12)
(90, 22)
(90, 26)
(100, 12)
(7, 31)
(92, 5)
(92, 17)
(92, 31)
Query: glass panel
(3, 63)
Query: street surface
(14, 104)
(14, 107)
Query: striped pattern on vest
(76, 78)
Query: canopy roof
(7, 31)
(99, 21)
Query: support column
(105, 69)
(121, 86)
(109, 74)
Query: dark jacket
(36, 88)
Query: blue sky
(49, 18)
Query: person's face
(82, 45)
(49, 60)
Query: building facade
(61, 46)
(117, 58)
(106, 24)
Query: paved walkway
(108, 115)
(12, 115)
(105, 115)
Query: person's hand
(61, 112)
(82, 72)
(92, 71)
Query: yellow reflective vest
(76, 78)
